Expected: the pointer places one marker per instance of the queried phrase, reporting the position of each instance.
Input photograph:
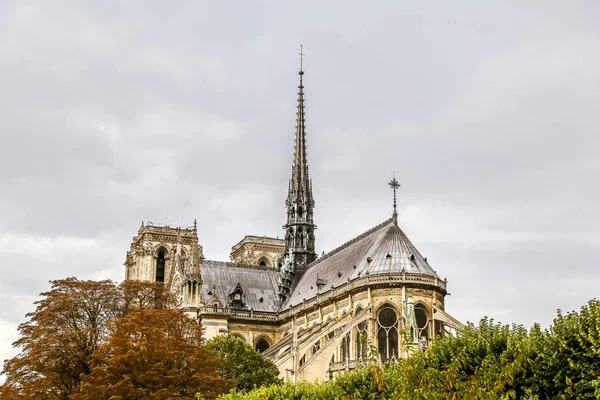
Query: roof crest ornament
(395, 186)
(301, 54)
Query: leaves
(241, 362)
(98, 340)
(156, 354)
(488, 361)
(59, 338)
(89, 339)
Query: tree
(154, 354)
(69, 336)
(59, 338)
(139, 294)
(567, 361)
(242, 362)
(489, 361)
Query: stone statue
(177, 288)
(288, 263)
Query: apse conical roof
(384, 249)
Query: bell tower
(300, 226)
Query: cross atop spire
(301, 54)
(395, 186)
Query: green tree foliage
(241, 362)
(567, 362)
(488, 361)
(290, 391)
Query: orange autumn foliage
(67, 343)
(154, 354)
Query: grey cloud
(117, 112)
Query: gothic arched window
(194, 291)
(422, 322)
(261, 345)
(160, 267)
(345, 348)
(361, 341)
(300, 212)
(387, 334)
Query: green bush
(241, 362)
(488, 361)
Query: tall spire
(299, 236)
(394, 185)
(300, 179)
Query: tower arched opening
(160, 266)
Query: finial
(395, 185)
(195, 224)
(301, 56)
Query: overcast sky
(113, 113)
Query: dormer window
(320, 283)
(236, 297)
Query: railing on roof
(236, 313)
(367, 280)
(364, 281)
(168, 228)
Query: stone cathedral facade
(309, 314)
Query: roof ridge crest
(351, 242)
(236, 265)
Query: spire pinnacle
(300, 186)
(395, 186)
(301, 54)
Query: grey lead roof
(381, 250)
(220, 278)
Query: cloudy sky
(113, 113)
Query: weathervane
(395, 185)
(301, 54)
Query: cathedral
(314, 316)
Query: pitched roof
(382, 249)
(259, 284)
